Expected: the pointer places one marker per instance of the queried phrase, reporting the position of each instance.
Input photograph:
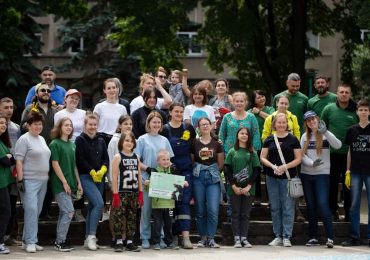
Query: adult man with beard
(323, 96)
(57, 92)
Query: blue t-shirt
(57, 94)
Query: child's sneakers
(132, 247)
(237, 243)
(4, 249)
(118, 247)
(202, 243)
(246, 244)
(157, 247)
(212, 244)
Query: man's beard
(43, 101)
(322, 90)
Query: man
(358, 169)
(339, 117)
(57, 92)
(323, 96)
(7, 109)
(297, 100)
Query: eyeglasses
(43, 90)
(204, 125)
(162, 77)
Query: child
(241, 168)
(65, 181)
(179, 91)
(162, 209)
(127, 193)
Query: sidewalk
(224, 253)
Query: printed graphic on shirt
(362, 144)
(128, 180)
(205, 153)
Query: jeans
(356, 188)
(282, 207)
(94, 193)
(207, 202)
(66, 212)
(146, 212)
(241, 210)
(33, 199)
(316, 193)
(5, 212)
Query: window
(313, 40)
(365, 35)
(190, 42)
(77, 46)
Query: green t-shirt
(6, 177)
(261, 120)
(158, 203)
(64, 153)
(338, 121)
(240, 159)
(297, 105)
(318, 104)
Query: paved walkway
(224, 253)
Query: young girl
(242, 167)
(127, 191)
(65, 181)
(179, 91)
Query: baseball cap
(73, 91)
(39, 85)
(309, 114)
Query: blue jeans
(146, 212)
(316, 194)
(207, 202)
(282, 207)
(94, 193)
(356, 188)
(66, 212)
(32, 199)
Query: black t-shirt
(206, 153)
(358, 139)
(128, 173)
(178, 132)
(287, 144)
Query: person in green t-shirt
(339, 117)
(65, 181)
(297, 100)
(241, 167)
(323, 96)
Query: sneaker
(187, 243)
(246, 244)
(90, 243)
(202, 243)
(4, 249)
(352, 242)
(175, 241)
(118, 247)
(132, 248)
(105, 216)
(212, 244)
(38, 248)
(9, 241)
(330, 243)
(62, 247)
(157, 247)
(237, 244)
(145, 244)
(276, 242)
(79, 217)
(163, 244)
(31, 248)
(286, 242)
(312, 242)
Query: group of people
(195, 133)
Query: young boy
(358, 169)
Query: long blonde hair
(318, 138)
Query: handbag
(295, 189)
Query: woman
(198, 107)
(147, 148)
(6, 178)
(77, 116)
(281, 204)
(180, 136)
(109, 111)
(208, 157)
(92, 163)
(140, 115)
(222, 97)
(315, 176)
(65, 181)
(282, 105)
(234, 120)
(32, 161)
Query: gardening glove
(317, 162)
(94, 176)
(116, 200)
(347, 179)
(100, 173)
(140, 199)
(322, 127)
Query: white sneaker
(246, 244)
(90, 243)
(3, 249)
(237, 244)
(38, 248)
(276, 242)
(105, 216)
(286, 242)
(31, 248)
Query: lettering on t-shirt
(205, 153)
(129, 175)
(362, 144)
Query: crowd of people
(221, 143)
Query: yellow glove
(100, 174)
(347, 180)
(94, 176)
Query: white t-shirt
(138, 102)
(195, 113)
(77, 118)
(109, 114)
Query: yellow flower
(186, 135)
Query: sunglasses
(162, 77)
(43, 90)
